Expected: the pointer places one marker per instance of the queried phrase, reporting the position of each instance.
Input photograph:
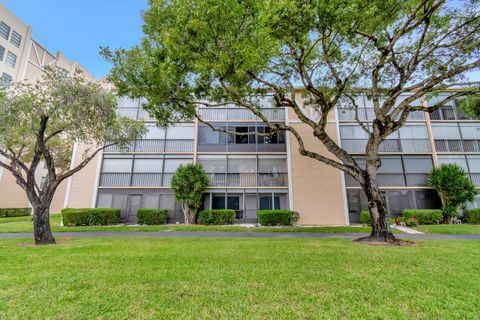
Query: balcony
(390, 145)
(366, 114)
(134, 113)
(216, 179)
(155, 146)
(136, 179)
(248, 179)
(394, 180)
(448, 113)
(240, 114)
(457, 145)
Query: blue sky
(79, 27)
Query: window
(218, 202)
(272, 165)
(238, 165)
(117, 165)
(413, 132)
(266, 202)
(16, 39)
(148, 165)
(181, 132)
(418, 164)
(5, 80)
(11, 59)
(2, 52)
(171, 165)
(352, 132)
(470, 131)
(124, 102)
(458, 160)
(213, 164)
(233, 202)
(4, 30)
(446, 131)
(155, 132)
(208, 136)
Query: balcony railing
(248, 179)
(475, 177)
(216, 179)
(448, 113)
(369, 114)
(223, 114)
(390, 145)
(457, 145)
(394, 180)
(155, 146)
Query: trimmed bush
(412, 222)
(423, 216)
(90, 216)
(277, 217)
(152, 216)
(15, 212)
(216, 217)
(472, 216)
(365, 217)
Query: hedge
(216, 217)
(423, 216)
(90, 216)
(15, 212)
(365, 217)
(152, 216)
(277, 217)
(472, 216)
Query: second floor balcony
(155, 146)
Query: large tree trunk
(41, 224)
(376, 205)
(188, 214)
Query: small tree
(189, 182)
(39, 123)
(454, 188)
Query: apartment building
(253, 172)
(22, 58)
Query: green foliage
(424, 216)
(412, 222)
(152, 216)
(277, 217)
(365, 217)
(90, 216)
(189, 183)
(472, 216)
(216, 217)
(15, 212)
(453, 186)
(471, 106)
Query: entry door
(251, 208)
(134, 203)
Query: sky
(78, 28)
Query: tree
(218, 52)
(189, 183)
(39, 123)
(471, 106)
(454, 188)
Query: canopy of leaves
(453, 185)
(56, 112)
(471, 106)
(188, 183)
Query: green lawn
(450, 228)
(23, 224)
(212, 278)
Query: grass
(212, 278)
(25, 225)
(450, 228)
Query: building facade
(249, 172)
(22, 58)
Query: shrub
(391, 221)
(365, 217)
(15, 212)
(90, 216)
(216, 217)
(423, 216)
(472, 216)
(277, 217)
(399, 220)
(152, 216)
(412, 222)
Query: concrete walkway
(300, 235)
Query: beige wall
(83, 183)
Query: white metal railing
(223, 114)
(389, 145)
(156, 145)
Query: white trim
(289, 164)
(97, 178)
(342, 174)
(69, 181)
